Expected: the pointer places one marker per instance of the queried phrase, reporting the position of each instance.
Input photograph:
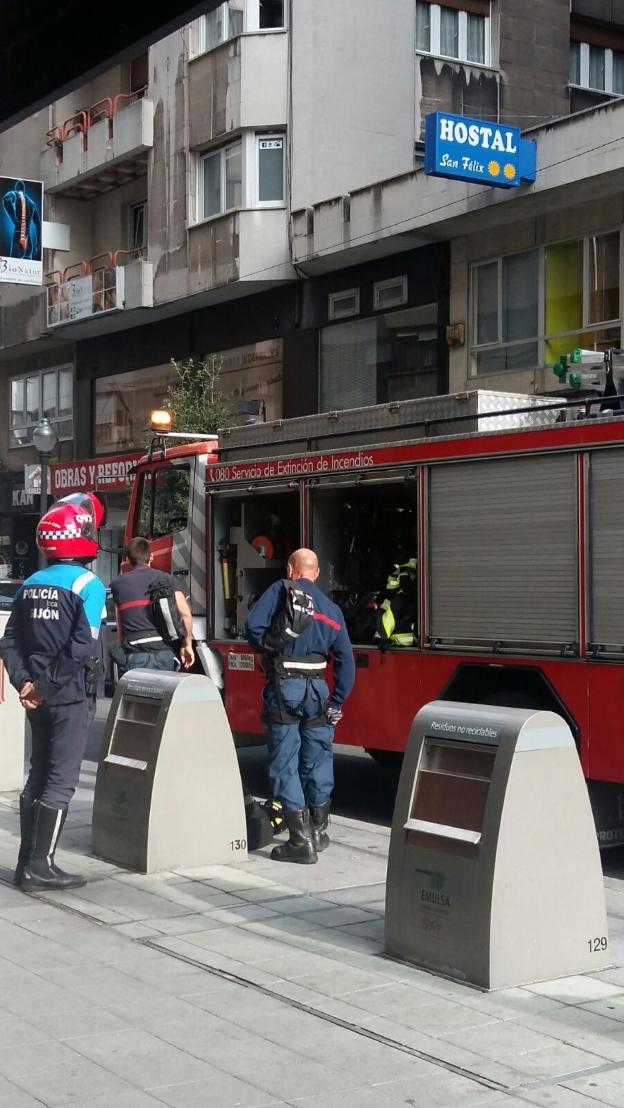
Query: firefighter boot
(27, 815)
(300, 847)
(40, 872)
(319, 818)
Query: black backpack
(167, 618)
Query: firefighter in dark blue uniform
(297, 628)
(51, 653)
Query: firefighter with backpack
(297, 629)
(153, 615)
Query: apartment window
(221, 178)
(451, 33)
(597, 67)
(49, 393)
(505, 322)
(249, 173)
(270, 154)
(136, 237)
(221, 24)
(232, 18)
(529, 308)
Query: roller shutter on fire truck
(606, 484)
(503, 552)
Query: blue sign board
(476, 150)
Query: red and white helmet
(68, 529)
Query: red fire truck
(513, 507)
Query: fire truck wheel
(387, 759)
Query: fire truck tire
(387, 759)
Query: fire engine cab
(511, 507)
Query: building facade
(252, 187)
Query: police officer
(297, 628)
(49, 648)
(141, 640)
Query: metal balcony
(102, 285)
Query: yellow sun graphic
(493, 169)
(509, 171)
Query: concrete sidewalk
(265, 984)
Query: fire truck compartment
(255, 533)
(360, 531)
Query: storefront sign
(93, 474)
(22, 499)
(21, 220)
(475, 150)
(32, 481)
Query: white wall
(353, 109)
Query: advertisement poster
(81, 297)
(21, 219)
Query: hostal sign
(475, 150)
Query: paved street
(258, 985)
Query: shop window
(49, 393)
(598, 68)
(529, 308)
(123, 402)
(253, 373)
(452, 33)
(388, 357)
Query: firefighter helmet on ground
(68, 529)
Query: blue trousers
(59, 738)
(301, 762)
(151, 659)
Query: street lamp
(45, 439)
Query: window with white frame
(531, 307)
(49, 393)
(136, 235)
(451, 33)
(270, 169)
(249, 173)
(597, 67)
(221, 180)
(234, 17)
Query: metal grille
(503, 551)
(606, 514)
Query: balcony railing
(100, 147)
(108, 282)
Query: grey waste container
(12, 729)
(168, 791)
(494, 873)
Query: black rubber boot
(27, 815)
(300, 847)
(40, 871)
(319, 818)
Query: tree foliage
(195, 398)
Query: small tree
(195, 399)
